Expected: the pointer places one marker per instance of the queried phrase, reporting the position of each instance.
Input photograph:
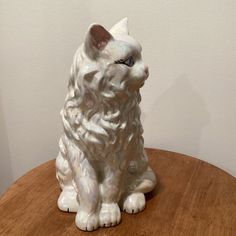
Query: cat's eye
(128, 62)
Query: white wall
(189, 101)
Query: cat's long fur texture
(102, 162)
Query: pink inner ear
(100, 36)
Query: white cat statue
(102, 166)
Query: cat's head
(118, 52)
(115, 57)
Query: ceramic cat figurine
(102, 165)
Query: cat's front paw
(109, 215)
(86, 221)
(134, 203)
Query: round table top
(192, 197)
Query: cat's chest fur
(109, 133)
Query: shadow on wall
(6, 176)
(179, 116)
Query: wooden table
(192, 198)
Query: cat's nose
(146, 71)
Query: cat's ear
(96, 39)
(120, 28)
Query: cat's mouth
(130, 84)
(137, 83)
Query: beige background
(189, 101)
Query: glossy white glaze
(102, 165)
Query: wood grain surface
(192, 198)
